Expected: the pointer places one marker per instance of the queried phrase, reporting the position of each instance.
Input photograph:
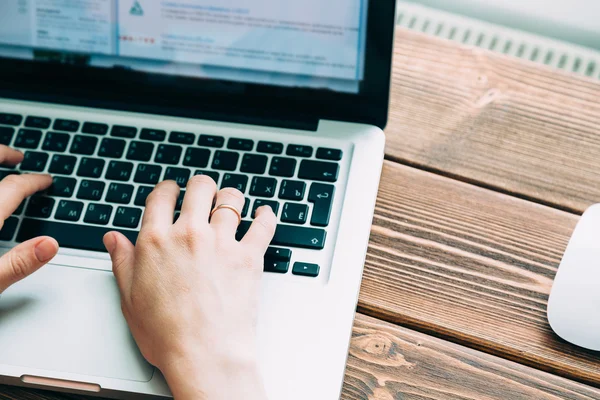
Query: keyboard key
(263, 187)
(62, 187)
(294, 213)
(214, 175)
(140, 151)
(10, 119)
(299, 150)
(7, 233)
(119, 193)
(259, 203)
(269, 147)
(127, 132)
(278, 254)
(168, 154)
(278, 267)
(112, 148)
(246, 208)
(40, 207)
(127, 217)
(182, 138)
(66, 125)
(34, 161)
(74, 236)
(281, 166)
(38, 122)
(6, 135)
(291, 236)
(119, 171)
(93, 128)
(63, 165)
(69, 210)
(20, 209)
(238, 182)
(329, 154)
(176, 216)
(91, 190)
(98, 214)
(225, 160)
(180, 175)
(142, 194)
(196, 157)
(211, 141)
(156, 135)
(90, 167)
(292, 190)
(254, 164)
(4, 174)
(322, 197)
(305, 269)
(28, 138)
(318, 171)
(147, 173)
(240, 144)
(84, 145)
(55, 141)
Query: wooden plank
(470, 265)
(388, 362)
(497, 121)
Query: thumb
(25, 259)
(122, 254)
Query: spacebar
(81, 237)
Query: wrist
(213, 377)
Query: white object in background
(574, 21)
(574, 305)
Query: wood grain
(472, 266)
(387, 362)
(496, 121)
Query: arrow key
(305, 269)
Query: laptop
(284, 101)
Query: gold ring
(227, 207)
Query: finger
(25, 259)
(199, 198)
(262, 230)
(10, 156)
(16, 188)
(122, 254)
(225, 221)
(160, 205)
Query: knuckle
(18, 265)
(233, 194)
(152, 237)
(12, 182)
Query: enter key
(322, 197)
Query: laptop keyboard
(103, 175)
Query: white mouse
(574, 304)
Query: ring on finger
(227, 207)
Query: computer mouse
(574, 304)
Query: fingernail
(45, 250)
(110, 242)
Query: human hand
(28, 257)
(189, 290)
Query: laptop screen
(310, 44)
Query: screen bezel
(215, 99)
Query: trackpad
(69, 320)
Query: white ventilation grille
(551, 52)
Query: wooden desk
(490, 160)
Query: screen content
(310, 43)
